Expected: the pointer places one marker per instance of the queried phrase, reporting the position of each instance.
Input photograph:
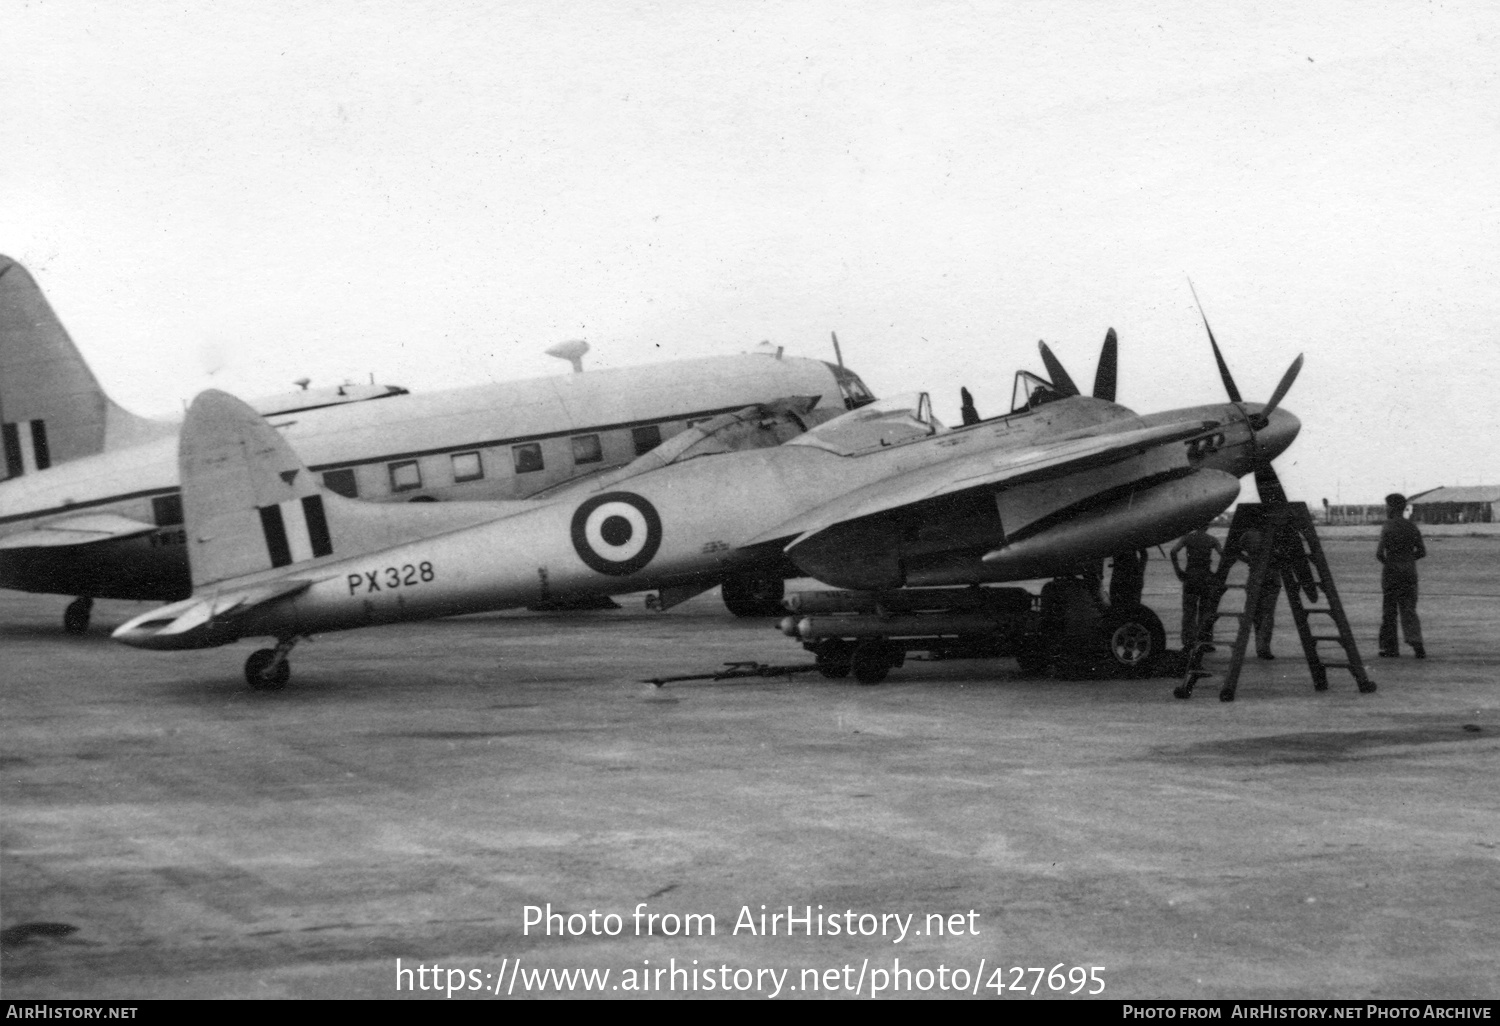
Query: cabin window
(467, 467)
(405, 476)
(342, 481)
(166, 510)
(646, 438)
(586, 449)
(528, 457)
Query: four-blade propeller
(1266, 481)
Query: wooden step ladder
(1288, 546)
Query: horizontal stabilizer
(986, 469)
(205, 621)
(80, 530)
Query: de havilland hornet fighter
(882, 497)
(89, 501)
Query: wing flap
(981, 469)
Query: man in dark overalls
(1199, 590)
(1399, 549)
(1270, 590)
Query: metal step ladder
(1287, 545)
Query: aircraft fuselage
(498, 441)
(696, 520)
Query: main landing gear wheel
(1135, 639)
(753, 595)
(76, 616)
(871, 660)
(267, 670)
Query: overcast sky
(434, 192)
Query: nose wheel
(267, 669)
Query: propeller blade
(1224, 375)
(1281, 389)
(1269, 485)
(1104, 376)
(1055, 371)
(967, 409)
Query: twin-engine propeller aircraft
(882, 497)
(90, 505)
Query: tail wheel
(264, 673)
(753, 594)
(871, 660)
(1135, 639)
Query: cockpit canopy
(854, 392)
(878, 424)
(1030, 391)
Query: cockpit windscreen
(876, 425)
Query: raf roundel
(616, 533)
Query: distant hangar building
(1478, 504)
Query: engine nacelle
(1138, 519)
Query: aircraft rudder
(248, 501)
(51, 406)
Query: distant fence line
(1421, 512)
(1355, 514)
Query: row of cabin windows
(406, 475)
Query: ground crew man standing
(1198, 586)
(1270, 590)
(1399, 549)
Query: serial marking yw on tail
(882, 497)
(90, 506)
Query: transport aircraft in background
(90, 504)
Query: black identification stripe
(39, 444)
(12, 438)
(275, 531)
(317, 525)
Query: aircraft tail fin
(51, 406)
(250, 505)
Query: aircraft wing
(84, 529)
(979, 470)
